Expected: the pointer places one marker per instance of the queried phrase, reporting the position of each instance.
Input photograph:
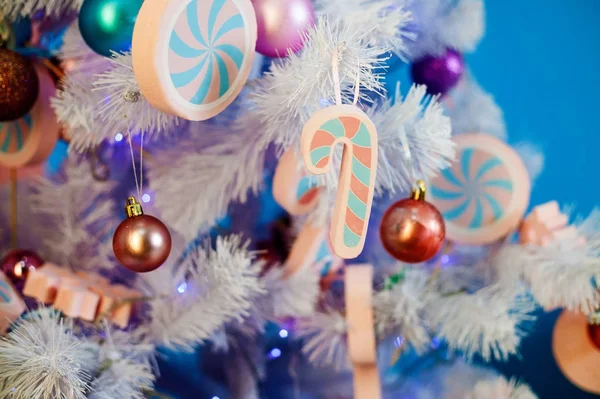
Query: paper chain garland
(81, 295)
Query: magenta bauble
(281, 24)
(17, 264)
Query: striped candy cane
(348, 125)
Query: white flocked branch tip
(96, 106)
(213, 286)
(294, 89)
(123, 378)
(42, 358)
(294, 296)
(324, 339)
(473, 110)
(440, 24)
(500, 388)
(389, 20)
(400, 311)
(489, 322)
(124, 106)
(421, 119)
(561, 274)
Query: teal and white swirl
(207, 49)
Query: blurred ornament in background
(31, 139)
(576, 347)
(17, 264)
(547, 224)
(439, 73)
(142, 243)
(107, 25)
(484, 193)
(281, 25)
(412, 230)
(21, 31)
(19, 85)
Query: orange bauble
(141, 243)
(413, 230)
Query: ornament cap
(133, 208)
(419, 191)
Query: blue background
(540, 60)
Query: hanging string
(335, 67)
(356, 88)
(137, 184)
(142, 164)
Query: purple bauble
(439, 74)
(18, 263)
(281, 24)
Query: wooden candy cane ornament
(350, 126)
(361, 333)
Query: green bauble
(108, 24)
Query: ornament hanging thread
(141, 243)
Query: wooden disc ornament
(31, 139)
(484, 193)
(576, 354)
(350, 126)
(192, 58)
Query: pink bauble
(281, 24)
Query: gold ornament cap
(418, 193)
(133, 208)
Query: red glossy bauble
(142, 243)
(594, 331)
(412, 230)
(18, 263)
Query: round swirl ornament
(192, 58)
(484, 193)
(31, 139)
